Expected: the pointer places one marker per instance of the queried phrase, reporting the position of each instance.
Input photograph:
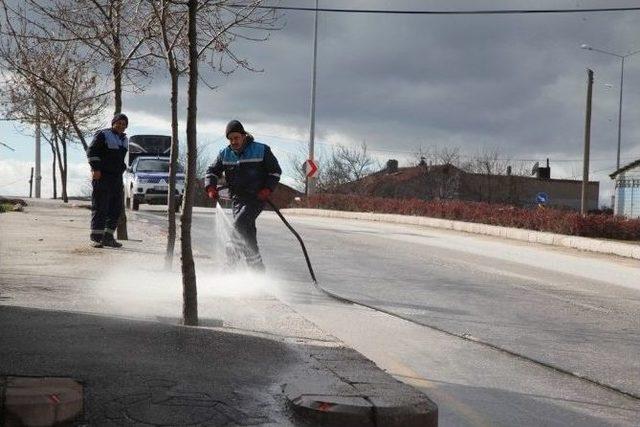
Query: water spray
(295, 233)
(306, 256)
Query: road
(496, 332)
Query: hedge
(539, 219)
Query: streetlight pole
(587, 146)
(620, 113)
(312, 127)
(622, 58)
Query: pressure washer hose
(295, 233)
(306, 255)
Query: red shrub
(551, 220)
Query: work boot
(110, 242)
(229, 268)
(96, 240)
(255, 264)
(258, 268)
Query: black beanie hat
(119, 116)
(234, 126)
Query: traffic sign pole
(311, 182)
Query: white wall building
(627, 190)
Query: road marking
(407, 375)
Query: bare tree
(356, 162)
(297, 161)
(189, 287)
(170, 44)
(113, 32)
(218, 25)
(487, 165)
(332, 173)
(436, 155)
(49, 82)
(57, 72)
(489, 162)
(345, 164)
(205, 157)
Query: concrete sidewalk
(103, 324)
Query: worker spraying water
(251, 172)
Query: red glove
(264, 194)
(212, 193)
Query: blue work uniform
(106, 154)
(246, 173)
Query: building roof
(625, 168)
(404, 174)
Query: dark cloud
(517, 83)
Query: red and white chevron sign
(311, 168)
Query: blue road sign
(542, 197)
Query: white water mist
(222, 238)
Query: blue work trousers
(106, 205)
(244, 241)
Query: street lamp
(622, 58)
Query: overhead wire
(442, 12)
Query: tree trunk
(117, 86)
(80, 135)
(63, 142)
(121, 232)
(53, 177)
(171, 238)
(53, 166)
(189, 289)
(61, 167)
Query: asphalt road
(556, 308)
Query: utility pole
(31, 183)
(311, 182)
(620, 114)
(587, 143)
(38, 176)
(622, 58)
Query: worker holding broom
(251, 172)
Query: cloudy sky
(515, 83)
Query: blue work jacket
(246, 172)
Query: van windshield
(155, 165)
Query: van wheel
(135, 205)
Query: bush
(540, 219)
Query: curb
(574, 242)
(347, 389)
